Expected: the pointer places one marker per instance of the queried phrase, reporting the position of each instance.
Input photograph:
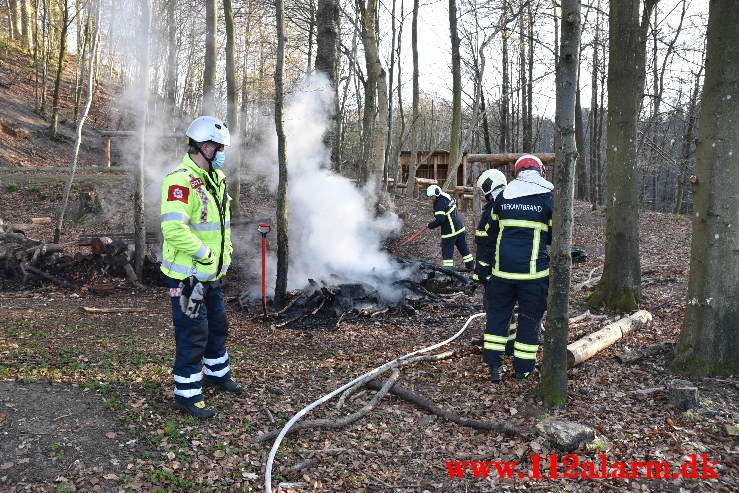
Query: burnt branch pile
(419, 284)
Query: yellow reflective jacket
(196, 223)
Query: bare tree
(209, 67)
(54, 125)
(139, 223)
(455, 137)
(232, 103)
(554, 366)
(282, 224)
(413, 165)
(620, 285)
(709, 341)
(78, 141)
(327, 61)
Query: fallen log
(427, 404)
(586, 316)
(585, 348)
(92, 309)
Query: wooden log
(92, 309)
(40, 220)
(99, 245)
(106, 158)
(588, 346)
(503, 159)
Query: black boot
(477, 341)
(495, 374)
(196, 409)
(228, 386)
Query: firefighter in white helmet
(196, 227)
(491, 183)
(452, 227)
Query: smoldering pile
(416, 283)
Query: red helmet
(528, 161)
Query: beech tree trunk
(554, 366)
(139, 223)
(282, 225)
(620, 286)
(327, 61)
(709, 340)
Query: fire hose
(413, 237)
(376, 371)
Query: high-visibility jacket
(196, 223)
(523, 225)
(445, 212)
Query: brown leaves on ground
(126, 360)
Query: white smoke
(334, 234)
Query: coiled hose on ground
(376, 371)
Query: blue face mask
(218, 160)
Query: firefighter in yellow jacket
(195, 222)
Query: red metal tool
(415, 235)
(263, 229)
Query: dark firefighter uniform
(519, 272)
(195, 222)
(452, 231)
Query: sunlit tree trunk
(54, 125)
(620, 285)
(232, 103)
(209, 66)
(455, 151)
(709, 339)
(413, 164)
(327, 61)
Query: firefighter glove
(191, 299)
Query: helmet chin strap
(210, 160)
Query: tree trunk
(687, 151)
(14, 13)
(505, 91)
(26, 24)
(209, 66)
(282, 238)
(554, 365)
(54, 126)
(455, 152)
(594, 117)
(139, 222)
(620, 286)
(709, 341)
(413, 164)
(526, 136)
(327, 61)
(94, 13)
(232, 103)
(171, 87)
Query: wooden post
(476, 207)
(464, 170)
(107, 152)
(436, 162)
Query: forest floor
(86, 399)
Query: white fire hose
(376, 371)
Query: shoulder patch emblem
(177, 192)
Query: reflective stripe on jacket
(445, 215)
(195, 218)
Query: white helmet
(433, 191)
(208, 128)
(490, 179)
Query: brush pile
(422, 284)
